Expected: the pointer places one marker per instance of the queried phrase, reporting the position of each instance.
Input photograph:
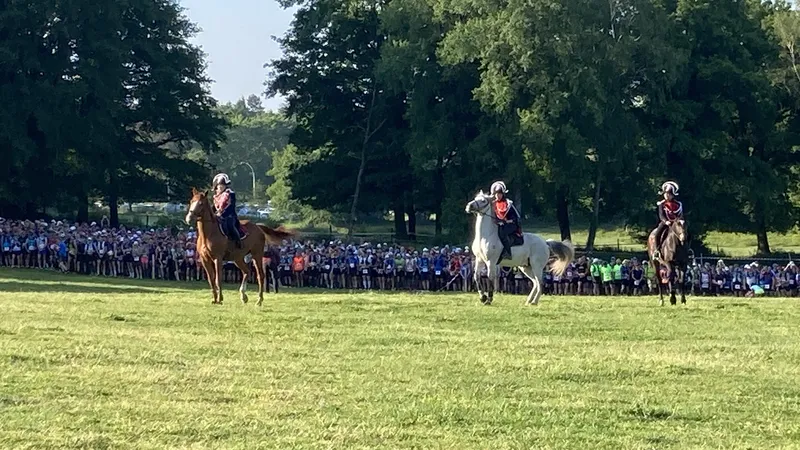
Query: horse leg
(211, 275)
(672, 282)
(682, 285)
(660, 287)
(492, 272)
(245, 268)
(477, 277)
(536, 290)
(262, 282)
(218, 266)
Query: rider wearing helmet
(669, 209)
(507, 216)
(225, 205)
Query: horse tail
(564, 252)
(275, 235)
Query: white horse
(531, 257)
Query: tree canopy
(108, 103)
(584, 108)
(405, 108)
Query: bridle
(486, 212)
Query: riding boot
(237, 237)
(233, 231)
(506, 253)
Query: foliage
(253, 137)
(583, 107)
(107, 103)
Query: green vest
(617, 272)
(595, 270)
(606, 271)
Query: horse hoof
(244, 299)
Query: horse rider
(225, 205)
(669, 210)
(507, 216)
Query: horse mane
(671, 244)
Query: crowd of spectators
(97, 250)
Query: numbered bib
(365, 271)
(737, 286)
(635, 282)
(425, 269)
(5, 249)
(352, 265)
(327, 267)
(438, 272)
(766, 286)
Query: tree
(116, 99)
(717, 126)
(568, 77)
(349, 128)
(443, 119)
(253, 136)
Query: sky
(237, 38)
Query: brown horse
(670, 260)
(214, 248)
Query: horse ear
(194, 191)
(682, 222)
(205, 193)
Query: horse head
(480, 205)
(199, 206)
(679, 229)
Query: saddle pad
(242, 230)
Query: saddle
(515, 239)
(242, 230)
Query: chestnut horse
(214, 248)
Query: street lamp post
(252, 172)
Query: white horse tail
(564, 252)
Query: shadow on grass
(72, 288)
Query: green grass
(88, 363)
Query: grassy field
(87, 363)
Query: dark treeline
(408, 107)
(100, 100)
(582, 107)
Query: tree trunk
(368, 132)
(399, 218)
(438, 187)
(761, 236)
(595, 213)
(562, 212)
(518, 200)
(83, 208)
(411, 212)
(113, 200)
